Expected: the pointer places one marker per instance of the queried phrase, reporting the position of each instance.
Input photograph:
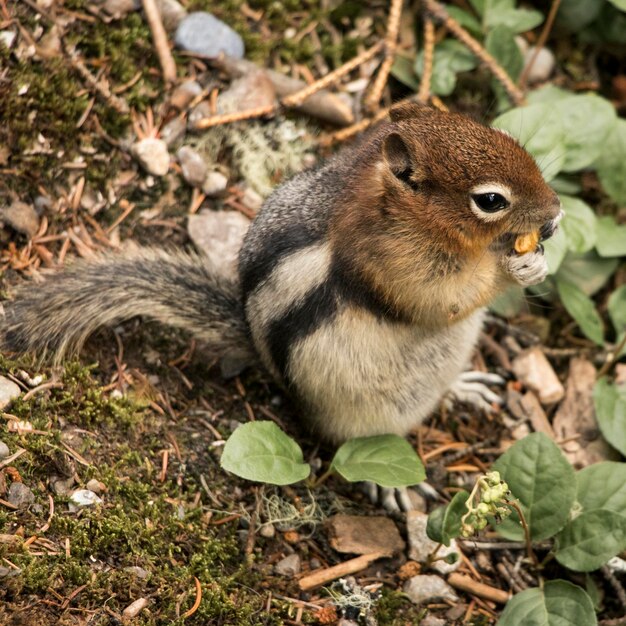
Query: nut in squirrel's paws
(527, 269)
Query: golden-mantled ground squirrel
(361, 284)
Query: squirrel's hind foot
(471, 388)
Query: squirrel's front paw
(526, 269)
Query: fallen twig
(320, 577)
(196, 604)
(465, 583)
(429, 51)
(391, 43)
(439, 13)
(159, 37)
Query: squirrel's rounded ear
(398, 158)
(408, 110)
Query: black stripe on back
(319, 306)
(276, 246)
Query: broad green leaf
(611, 165)
(451, 57)
(541, 478)
(588, 271)
(579, 224)
(611, 239)
(587, 121)
(262, 452)
(559, 603)
(387, 460)
(403, 70)
(620, 4)
(590, 540)
(500, 43)
(582, 308)
(444, 523)
(566, 185)
(576, 14)
(548, 94)
(555, 250)
(465, 19)
(538, 128)
(503, 13)
(602, 486)
(610, 403)
(616, 306)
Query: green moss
(395, 609)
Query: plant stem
(529, 546)
(323, 477)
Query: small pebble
(119, 8)
(204, 34)
(289, 566)
(137, 571)
(267, 530)
(214, 184)
(152, 155)
(4, 450)
(174, 131)
(421, 546)
(96, 486)
(7, 37)
(432, 620)
(8, 392)
(193, 166)
(315, 563)
(172, 13)
(22, 217)
(83, 498)
(20, 495)
(427, 588)
(199, 112)
(62, 486)
(132, 610)
(543, 65)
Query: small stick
(354, 129)
(237, 116)
(465, 583)
(439, 13)
(321, 577)
(429, 51)
(615, 583)
(197, 602)
(299, 97)
(391, 43)
(159, 37)
(12, 458)
(541, 42)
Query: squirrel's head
(474, 185)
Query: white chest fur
(361, 376)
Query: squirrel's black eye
(490, 202)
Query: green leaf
(541, 478)
(555, 250)
(582, 308)
(579, 224)
(560, 603)
(500, 43)
(587, 271)
(509, 303)
(387, 460)
(590, 540)
(451, 58)
(548, 94)
(262, 452)
(444, 523)
(465, 19)
(620, 4)
(611, 239)
(610, 404)
(403, 70)
(611, 165)
(587, 121)
(576, 14)
(503, 13)
(616, 306)
(602, 486)
(538, 128)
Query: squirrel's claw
(527, 269)
(471, 388)
(393, 500)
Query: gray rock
(119, 8)
(62, 486)
(193, 166)
(172, 13)
(431, 620)
(289, 566)
(214, 184)
(421, 546)
(204, 34)
(96, 486)
(4, 450)
(184, 94)
(22, 217)
(20, 495)
(174, 131)
(152, 155)
(7, 37)
(543, 65)
(427, 588)
(83, 498)
(199, 112)
(8, 392)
